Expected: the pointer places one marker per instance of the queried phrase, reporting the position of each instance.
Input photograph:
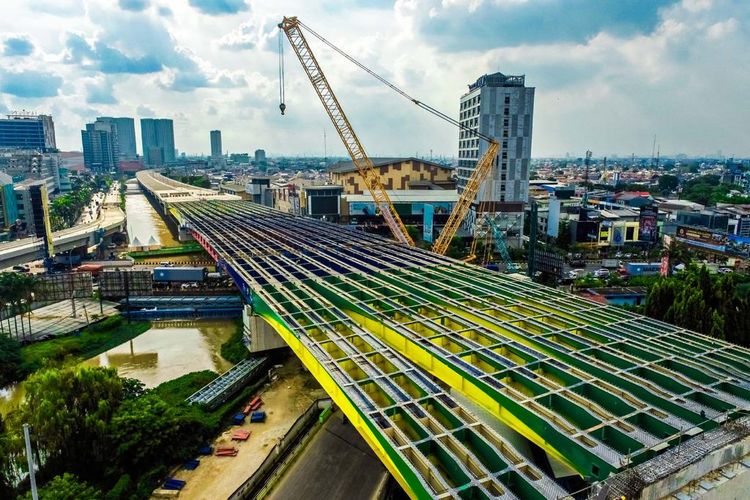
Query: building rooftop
(343, 167)
(410, 196)
(498, 80)
(232, 186)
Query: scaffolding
(597, 387)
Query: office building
(28, 131)
(260, 156)
(24, 165)
(216, 144)
(395, 174)
(8, 206)
(101, 152)
(125, 136)
(32, 198)
(157, 139)
(502, 107)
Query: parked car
(601, 273)
(724, 270)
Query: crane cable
(419, 103)
(282, 97)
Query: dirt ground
(284, 401)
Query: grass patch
(234, 350)
(188, 248)
(177, 390)
(92, 340)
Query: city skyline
(608, 77)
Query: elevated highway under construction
(395, 334)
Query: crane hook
(282, 107)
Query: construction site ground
(284, 400)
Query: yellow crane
(363, 163)
(292, 28)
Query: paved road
(337, 463)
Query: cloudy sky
(609, 74)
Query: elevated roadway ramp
(597, 387)
(111, 220)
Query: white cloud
(610, 91)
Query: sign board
(429, 216)
(664, 271)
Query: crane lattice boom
(483, 167)
(371, 177)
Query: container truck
(179, 274)
(642, 268)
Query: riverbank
(72, 349)
(284, 400)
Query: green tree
(69, 411)
(147, 431)
(67, 487)
(16, 290)
(7, 471)
(10, 361)
(668, 183)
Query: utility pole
(127, 293)
(30, 459)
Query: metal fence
(64, 286)
(118, 284)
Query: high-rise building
(260, 156)
(125, 135)
(216, 144)
(101, 151)
(500, 106)
(157, 138)
(28, 131)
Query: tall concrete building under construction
(500, 106)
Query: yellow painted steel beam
(437, 367)
(413, 487)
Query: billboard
(438, 207)
(702, 238)
(64, 286)
(40, 212)
(428, 223)
(617, 236)
(118, 284)
(553, 217)
(362, 208)
(647, 228)
(549, 262)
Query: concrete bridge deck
(111, 219)
(386, 329)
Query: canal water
(144, 222)
(166, 351)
